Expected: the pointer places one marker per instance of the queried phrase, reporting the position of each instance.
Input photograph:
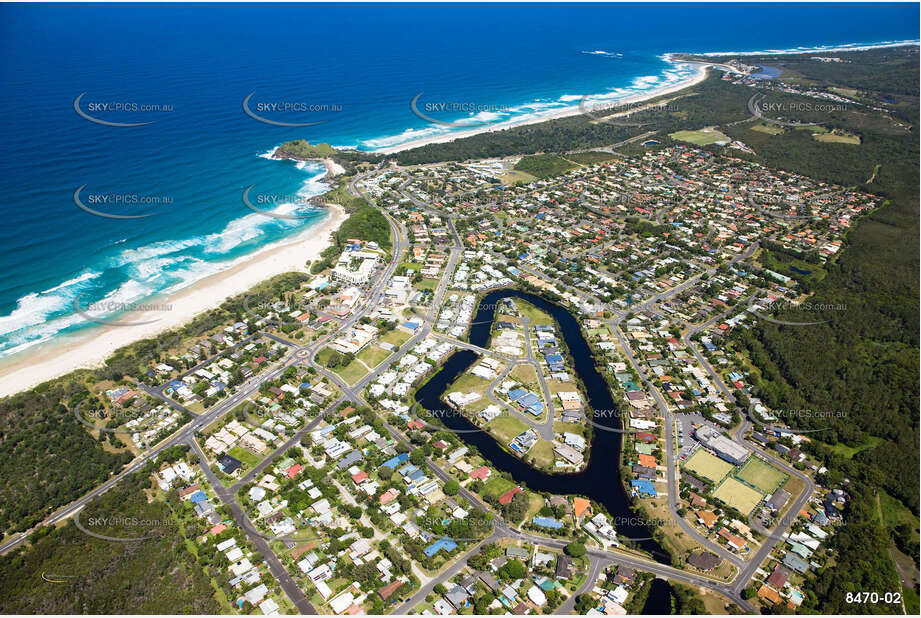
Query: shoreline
(700, 74)
(90, 348)
(671, 57)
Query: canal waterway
(600, 479)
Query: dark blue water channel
(600, 480)
(659, 601)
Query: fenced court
(761, 475)
(738, 495)
(707, 466)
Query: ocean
(346, 73)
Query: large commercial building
(721, 445)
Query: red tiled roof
(216, 530)
(481, 473)
(507, 496)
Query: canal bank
(600, 480)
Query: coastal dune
(89, 349)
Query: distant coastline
(818, 49)
(676, 59)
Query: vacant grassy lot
(396, 337)
(762, 475)
(426, 284)
(352, 372)
(469, 383)
(248, 459)
(323, 355)
(524, 373)
(516, 177)
(591, 157)
(532, 313)
(738, 495)
(544, 166)
(542, 454)
(576, 428)
(372, 356)
(816, 128)
(837, 137)
(705, 465)
(496, 486)
(702, 137)
(505, 427)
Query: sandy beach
(700, 74)
(91, 348)
(333, 168)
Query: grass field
(426, 284)
(576, 428)
(738, 495)
(323, 355)
(770, 129)
(895, 513)
(505, 427)
(525, 373)
(760, 474)
(248, 459)
(496, 486)
(700, 138)
(544, 165)
(468, 383)
(591, 157)
(837, 137)
(849, 451)
(532, 313)
(352, 372)
(707, 466)
(542, 454)
(396, 337)
(516, 177)
(372, 356)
